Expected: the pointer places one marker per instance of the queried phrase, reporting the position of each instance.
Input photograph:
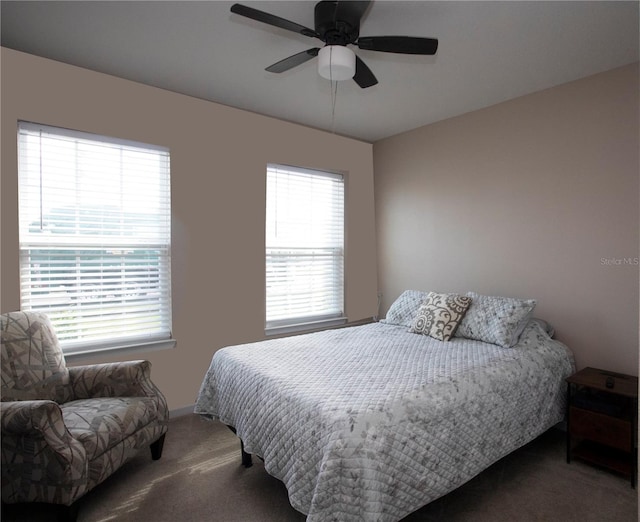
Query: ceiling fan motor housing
(335, 32)
(336, 63)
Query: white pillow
(405, 307)
(495, 320)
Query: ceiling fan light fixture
(336, 62)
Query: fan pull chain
(334, 92)
(334, 97)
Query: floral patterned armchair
(65, 430)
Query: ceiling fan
(337, 24)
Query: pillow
(440, 314)
(405, 307)
(550, 330)
(496, 320)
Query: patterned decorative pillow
(496, 320)
(404, 308)
(440, 315)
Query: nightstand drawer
(604, 429)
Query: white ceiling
(488, 52)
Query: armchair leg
(156, 448)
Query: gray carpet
(199, 478)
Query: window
(95, 229)
(304, 248)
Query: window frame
(310, 321)
(78, 243)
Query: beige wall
(218, 167)
(524, 199)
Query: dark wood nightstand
(602, 419)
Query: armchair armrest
(121, 379)
(39, 418)
(41, 460)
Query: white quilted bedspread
(372, 422)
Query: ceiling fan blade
(293, 61)
(363, 76)
(274, 20)
(350, 10)
(398, 44)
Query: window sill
(84, 353)
(305, 327)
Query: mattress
(373, 422)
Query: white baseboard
(179, 412)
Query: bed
(372, 422)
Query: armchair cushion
(33, 366)
(100, 424)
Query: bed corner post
(247, 461)
(246, 457)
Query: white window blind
(95, 230)
(304, 246)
